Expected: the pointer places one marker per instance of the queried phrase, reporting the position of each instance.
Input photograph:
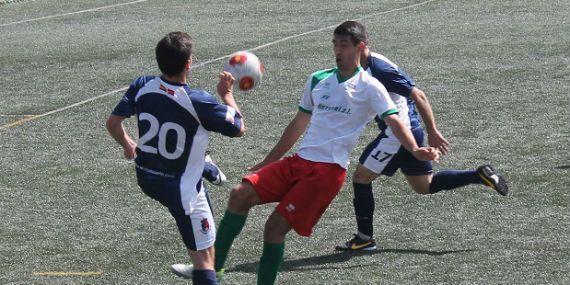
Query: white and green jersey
(340, 110)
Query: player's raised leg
(420, 176)
(452, 179)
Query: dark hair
(355, 30)
(172, 53)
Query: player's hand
(130, 150)
(436, 139)
(225, 85)
(426, 154)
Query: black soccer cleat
(493, 180)
(356, 244)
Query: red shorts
(303, 188)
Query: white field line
(4, 2)
(15, 115)
(71, 13)
(335, 25)
(68, 273)
(6, 126)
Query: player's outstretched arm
(406, 138)
(290, 135)
(435, 138)
(225, 91)
(117, 131)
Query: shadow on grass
(312, 263)
(563, 167)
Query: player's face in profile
(346, 53)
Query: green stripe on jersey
(389, 112)
(320, 76)
(305, 110)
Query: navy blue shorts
(189, 207)
(385, 155)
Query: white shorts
(194, 220)
(379, 153)
(202, 223)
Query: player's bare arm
(435, 138)
(406, 138)
(290, 135)
(117, 131)
(225, 91)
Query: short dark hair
(172, 53)
(355, 30)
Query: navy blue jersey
(397, 82)
(173, 123)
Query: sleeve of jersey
(395, 81)
(219, 118)
(126, 107)
(381, 102)
(306, 104)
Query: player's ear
(189, 64)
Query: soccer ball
(246, 69)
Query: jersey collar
(341, 80)
(172, 83)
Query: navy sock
(210, 172)
(451, 179)
(364, 208)
(204, 277)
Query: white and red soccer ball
(246, 69)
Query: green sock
(230, 226)
(270, 262)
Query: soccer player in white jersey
(384, 155)
(173, 122)
(336, 106)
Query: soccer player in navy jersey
(174, 122)
(385, 155)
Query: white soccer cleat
(185, 271)
(182, 270)
(221, 178)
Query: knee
(422, 190)
(242, 198)
(420, 183)
(276, 228)
(363, 177)
(242, 195)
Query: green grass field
(497, 74)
